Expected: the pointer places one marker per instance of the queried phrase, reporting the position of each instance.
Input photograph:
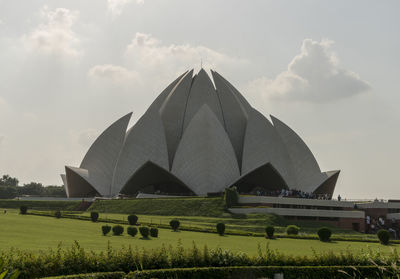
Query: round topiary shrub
(383, 236)
(132, 231)
(144, 231)
(118, 230)
(153, 232)
(94, 216)
(132, 219)
(57, 214)
(269, 230)
(221, 228)
(174, 224)
(292, 230)
(105, 229)
(23, 209)
(324, 234)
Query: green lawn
(30, 232)
(255, 223)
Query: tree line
(10, 189)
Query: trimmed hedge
(253, 272)
(76, 260)
(98, 275)
(292, 230)
(324, 234)
(221, 228)
(239, 272)
(23, 209)
(105, 229)
(384, 236)
(40, 205)
(132, 219)
(132, 231)
(117, 230)
(174, 223)
(269, 231)
(153, 232)
(94, 216)
(144, 231)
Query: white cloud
(149, 56)
(113, 73)
(152, 64)
(115, 7)
(314, 75)
(55, 36)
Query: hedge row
(98, 275)
(70, 215)
(250, 272)
(253, 272)
(40, 205)
(76, 260)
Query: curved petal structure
(152, 178)
(205, 159)
(234, 114)
(306, 169)
(102, 156)
(78, 183)
(172, 113)
(202, 92)
(328, 186)
(145, 141)
(196, 139)
(263, 145)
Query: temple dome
(195, 139)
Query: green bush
(94, 216)
(221, 228)
(76, 259)
(269, 230)
(118, 230)
(383, 236)
(132, 219)
(98, 275)
(40, 205)
(289, 272)
(23, 209)
(132, 231)
(292, 230)
(57, 214)
(324, 234)
(231, 197)
(153, 232)
(105, 229)
(174, 224)
(144, 231)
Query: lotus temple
(199, 137)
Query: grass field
(36, 233)
(252, 223)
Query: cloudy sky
(329, 69)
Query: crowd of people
(292, 193)
(373, 225)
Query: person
(339, 198)
(368, 222)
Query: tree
(32, 188)
(8, 192)
(231, 197)
(8, 180)
(54, 191)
